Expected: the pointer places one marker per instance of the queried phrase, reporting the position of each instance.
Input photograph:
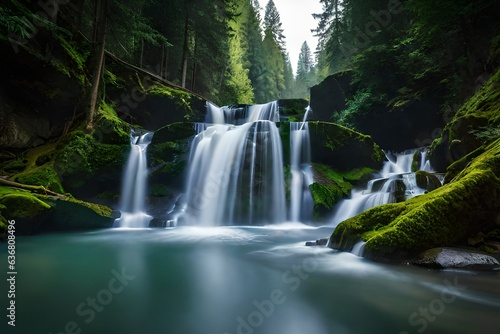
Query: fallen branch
(36, 189)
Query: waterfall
(397, 182)
(134, 184)
(301, 202)
(235, 172)
(238, 115)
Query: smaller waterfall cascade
(301, 202)
(395, 183)
(134, 184)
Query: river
(227, 280)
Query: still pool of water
(219, 280)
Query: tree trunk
(193, 75)
(142, 53)
(98, 57)
(185, 49)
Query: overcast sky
(297, 23)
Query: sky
(297, 22)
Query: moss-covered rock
(470, 126)
(35, 213)
(446, 216)
(87, 166)
(331, 185)
(343, 148)
(44, 176)
(144, 99)
(167, 157)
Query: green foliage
(404, 52)
(360, 104)
(22, 23)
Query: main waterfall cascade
(132, 205)
(235, 171)
(396, 182)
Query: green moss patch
(44, 176)
(80, 156)
(332, 185)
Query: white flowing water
(134, 184)
(301, 202)
(396, 182)
(238, 115)
(235, 173)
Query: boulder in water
(427, 181)
(447, 258)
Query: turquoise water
(219, 280)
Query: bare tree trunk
(193, 75)
(142, 53)
(98, 56)
(185, 49)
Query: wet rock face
(447, 258)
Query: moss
(16, 165)
(445, 217)
(44, 176)
(35, 212)
(110, 128)
(474, 124)
(40, 155)
(112, 79)
(324, 197)
(3, 222)
(415, 164)
(460, 164)
(332, 185)
(182, 98)
(21, 204)
(80, 156)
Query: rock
(341, 159)
(459, 137)
(448, 258)
(34, 212)
(319, 242)
(427, 181)
(343, 148)
(330, 95)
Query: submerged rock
(445, 258)
(319, 242)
